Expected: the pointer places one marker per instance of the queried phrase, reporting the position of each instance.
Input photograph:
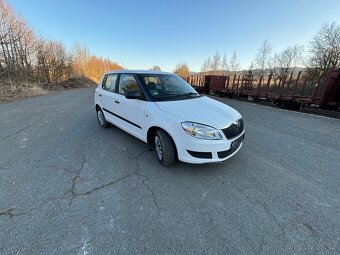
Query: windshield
(164, 87)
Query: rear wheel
(101, 119)
(165, 148)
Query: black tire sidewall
(168, 148)
(105, 125)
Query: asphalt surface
(71, 187)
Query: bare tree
(16, 40)
(325, 49)
(80, 57)
(290, 58)
(234, 64)
(206, 65)
(95, 67)
(53, 63)
(225, 65)
(215, 64)
(59, 62)
(285, 62)
(262, 57)
(182, 70)
(156, 68)
(25, 56)
(251, 66)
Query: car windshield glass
(164, 87)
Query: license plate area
(236, 143)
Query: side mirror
(133, 94)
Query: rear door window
(109, 83)
(127, 82)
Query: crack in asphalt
(145, 179)
(113, 182)
(72, 194)
(72, 190)
(144, 182)
(272, 216)
(11, 211)
(104, 185)
(24, 128)
(8, 212)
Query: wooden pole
(296, 83)
(267, 86)
(259, 86)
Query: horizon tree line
(321, 55)
(27, 57)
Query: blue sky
(140, 34)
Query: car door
(107, 97)
(130, 111)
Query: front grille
(199, 154)
(233, 130)
(224, 154)
(233, 147)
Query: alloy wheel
(158, 146)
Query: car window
(127, 82)
(167, 87)
(172, 84)
(154, 79)
(110, 82)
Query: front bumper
(200, 151)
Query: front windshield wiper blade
(191, 94)
(183, 94)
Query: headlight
(201, 131)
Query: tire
(165, 148)
(101, 119)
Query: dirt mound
(79, 82)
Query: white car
(162, 109)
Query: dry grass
(33, 90)
(6, 95)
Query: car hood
(202, 110)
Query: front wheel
(165, 148)
(101, 119)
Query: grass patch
(26, 90)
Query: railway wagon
(293, 91)
(215, 84)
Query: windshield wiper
(191, 94)
(183, 94)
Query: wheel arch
(151, 134)
(97, 107)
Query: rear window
(109, 82)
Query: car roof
(137, 72)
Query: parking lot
(68, 186)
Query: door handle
(100, 95)
(116, 101)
